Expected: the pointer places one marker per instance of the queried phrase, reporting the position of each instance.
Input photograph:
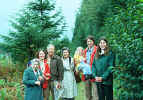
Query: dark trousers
(105, 92)
(50, 89)
(68, 99)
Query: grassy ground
(81, 92)
(12, 89)
(11, 83)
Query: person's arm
(26, 80)
(60, 69)
(41, 78)
(76, 61)
(94, 68)
(46, 74)
(72, 65)
(111, 64)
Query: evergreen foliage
(35, 26)
(121, 22)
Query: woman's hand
(37, 83)
(40, 78)
(47, 78)
(58, 85)
(98, 79)
(76, 72)
(48, 74)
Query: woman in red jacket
(45, 70)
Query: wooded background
(37, 25)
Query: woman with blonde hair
(80, 64)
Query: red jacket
(91, 60)
(46, 71)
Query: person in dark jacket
(56, 69)
(33, 80)
(103, 63)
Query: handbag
(77, 77)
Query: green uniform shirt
(102, 67)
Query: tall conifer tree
(33, 28)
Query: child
(80, 65)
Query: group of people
(49, 74)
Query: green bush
(2, 83)
(125, 34)
(11, 91)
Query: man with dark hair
(90, 86)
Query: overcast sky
(8, 8)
